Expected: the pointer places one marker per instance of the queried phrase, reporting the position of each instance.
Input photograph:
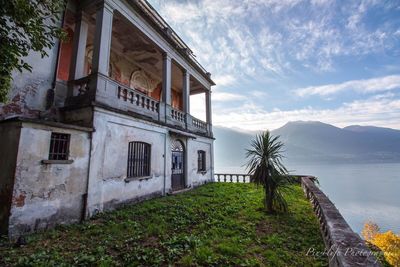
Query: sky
(276, 61)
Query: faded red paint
(116, 74)
(19, 200)
(65, 56)
(156, 94)
(177, 100)
(18, 106)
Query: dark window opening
(201, 161)
(138, 159)
(59, 146)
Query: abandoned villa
(102, 121)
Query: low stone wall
(343, 246)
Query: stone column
(102, 38)
(186, 95)
(208, 112)
(77, 67)
(165, 105)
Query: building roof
(171, 36)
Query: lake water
(361, 192)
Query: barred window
(201, 160)
(59, 146)
(138, 159)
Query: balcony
(106, 91)
(113, 62)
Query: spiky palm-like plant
(266, 169)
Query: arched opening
(177, 165)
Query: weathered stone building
(103, 120)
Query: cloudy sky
(276, 61)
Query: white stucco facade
(101, 115)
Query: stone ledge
(48, 123)
(347, 247)
(48, 161)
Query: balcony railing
(199, 124)
(177, 115)
(232, 178)
(81, 86)
(138, 99)
(104, 90)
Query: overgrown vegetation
(267, 170)
(26, 25)
(216, 224)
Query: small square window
(59, 146)
(201, 161)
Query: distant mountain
(230, 146)
(313, 141)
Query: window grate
(201, 160)
(59, 146)
(138, 159)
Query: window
(59, 146)
(201, 161)
(138, 159)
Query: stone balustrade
(104, 90)
(177, 115)
(81, 86)
(199, 124)
(344, 247)
(134, 97)
(232, 178)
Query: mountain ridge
(315, 141)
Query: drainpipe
(85, 213)
(58, 51)
(50, 93)
(165, 163)
(86, 195)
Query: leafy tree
(266, 169)
(370, 230)
(26, 25)
(388, 242)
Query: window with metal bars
(59, 146)
(139, 154)
(201, 160)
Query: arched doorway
(178, 165)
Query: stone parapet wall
(344, 247)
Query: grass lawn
(216, 224)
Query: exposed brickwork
(18, 104)
(19, 200)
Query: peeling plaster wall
(47, 194)
(8, 155)
(28, 92)
(108, 187)
(196, 178)
(108, 183)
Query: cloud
(261, 37)
(385, 83)
(258, 94)
(226, 97)
(224, 80)
(276, 43)
(378, 111)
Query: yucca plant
(267, 170)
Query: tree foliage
(26, 25)
(388, 242)
(266, 169)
